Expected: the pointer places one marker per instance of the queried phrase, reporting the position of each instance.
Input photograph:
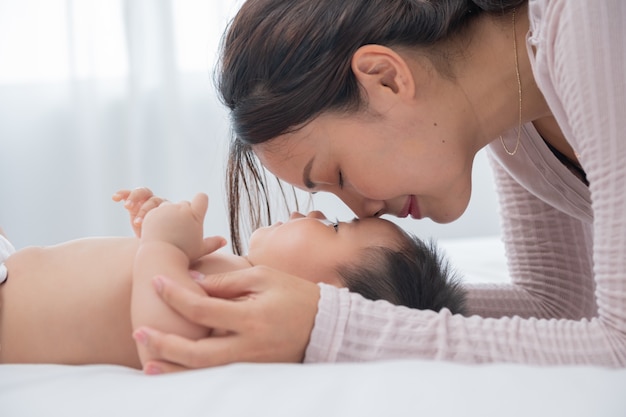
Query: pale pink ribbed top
(565, 243)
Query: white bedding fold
(6, 248)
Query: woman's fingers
(179, 354)
(207, 311)
(182, 354)
(232, 284)
(158, 367)
(263, 315)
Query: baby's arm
(172, 236)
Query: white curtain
(97, 95)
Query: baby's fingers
(199, 205)
(137, 197)
(120, 195)
(133, 199)
(142, 210)
(138, 203)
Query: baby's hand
(180, 224)
(138, 202)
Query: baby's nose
(316, 215)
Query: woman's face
(312, 247)
(401, 165)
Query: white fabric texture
(98, 95)
(6, 249)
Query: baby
(78, 302)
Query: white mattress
(403, 388)
(390, 388)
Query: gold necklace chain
(519, 92)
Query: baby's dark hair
(415, 274)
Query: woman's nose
(361, 206)
(364, 207)
(372, 208)
(316, 215)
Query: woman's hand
(259, 315)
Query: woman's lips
(406, 209)
(414, 209)
(411, 208)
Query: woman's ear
(383, 73)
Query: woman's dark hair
(284, 62)
(415, 275)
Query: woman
(385, 104)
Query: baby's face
(312, 247)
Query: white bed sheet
(402, 388)
(389, 388)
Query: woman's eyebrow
(306, 175)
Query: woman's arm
(548, 256)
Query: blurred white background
(97, 95)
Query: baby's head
(371, 256)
